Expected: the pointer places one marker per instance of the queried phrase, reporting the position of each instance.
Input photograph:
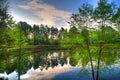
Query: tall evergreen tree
(5, 21)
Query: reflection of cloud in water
(67, 72)
(46, 74)
(71, 73)
(11, 76)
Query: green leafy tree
(82, 20)
(116, 19)
(18, 41)
(15, 34)
(103, 13)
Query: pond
(42, 64)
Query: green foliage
(74, 58)
(104, 10)
(17, 36)
(94, 37)
(5, 22)
(71, 38)
(86, 10)
(83, 18)
(85, 35)
(110, 35)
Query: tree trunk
(91, 63)
(100, 50)
(98, 63)
(19, 58)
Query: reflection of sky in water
(68, 72)
(107, 73)
(110, 73)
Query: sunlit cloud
(47, 13)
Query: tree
(26, 28)
(5, 22)
(37, 35)
(103, 12)
(44, 32)
(83, 20)
(54, 31)
(18, 40)
(3, 12)
(86, 13)
(116, 19)
(28, 31)
(15, 34)
(61, 33)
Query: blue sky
(50, 12)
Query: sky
(48, 12)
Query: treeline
(36, 34)
(13, 34)
(76, 37)
(44, 35)
(33, 35)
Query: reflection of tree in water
(109, 65)
(46, 60)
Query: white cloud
(47, 13)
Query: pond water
(64, 64)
